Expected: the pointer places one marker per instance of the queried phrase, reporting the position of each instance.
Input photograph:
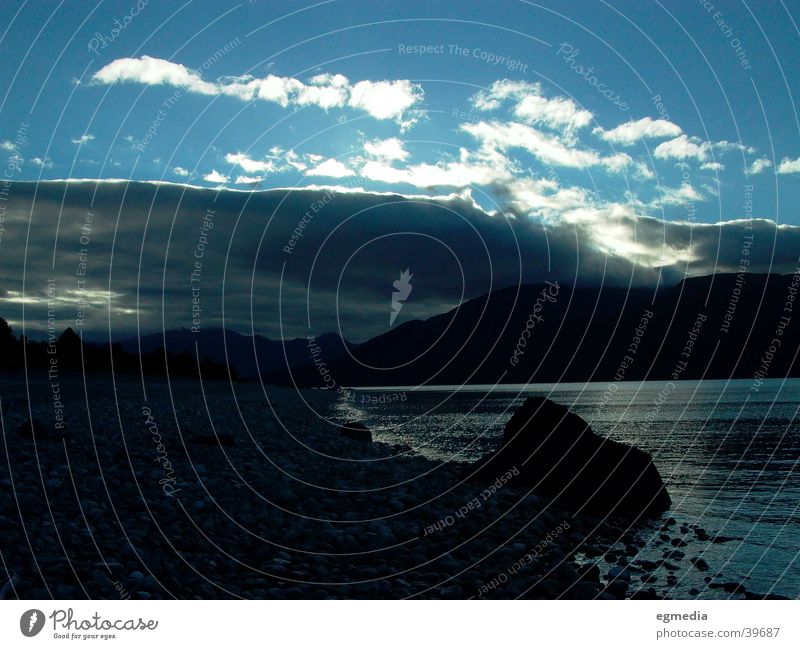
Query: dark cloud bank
(287, 263)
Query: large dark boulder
(556, 452)
(356, 430)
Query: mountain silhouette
(248, 355)
(711, 327)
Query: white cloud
(332, 169)
(713, 166)
(683, 148)
(7, 145)
(548, 148)
(44, 163)
(390, 149)
(153, 71)
(544, 198)
(83, 139)
(294, 160)
(325, 90)
(250, 165)
(725, 146)
(788, 166)
(248, 180)
(493, 97)
(484, 168)
(215, 177)
(678, 196)
(642, 171)
(380, 99)
(180, 171)
(633, 131)
(532, 106)
(760, 165)
(386, 99)
(615, 228)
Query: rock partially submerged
(356, 430)
(557, 453)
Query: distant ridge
(716, 326)
(248, 355)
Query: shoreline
(285, 507)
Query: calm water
(729, 455)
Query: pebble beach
(183, 490)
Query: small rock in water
(451, 592)
(673, 554)
(678, 543)
(670, 521)
(699, 563)
(357, 431)
(617, 588)
(619, 572)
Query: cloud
(83, 139)
(633, 131)
(725, 146)
(153, 71)
(180, 171)
(390, 149)
(292, 159)
(713, 166)
(571, 236)
(325, 90)
(331, 168)
(44, 163)
(7, 145)
(482, 168)
(215, 177)
(248, 180)
(788, 166)
(380, 99)
(250, 165)
(386, 99)
(532, 107)
(683, 148)
(682, 195)
(548, 148)
(759, 165)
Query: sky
(479, 144)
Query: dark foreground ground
(191, 493)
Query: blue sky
(73, 78)
(626, 142)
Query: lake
(728, 453)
